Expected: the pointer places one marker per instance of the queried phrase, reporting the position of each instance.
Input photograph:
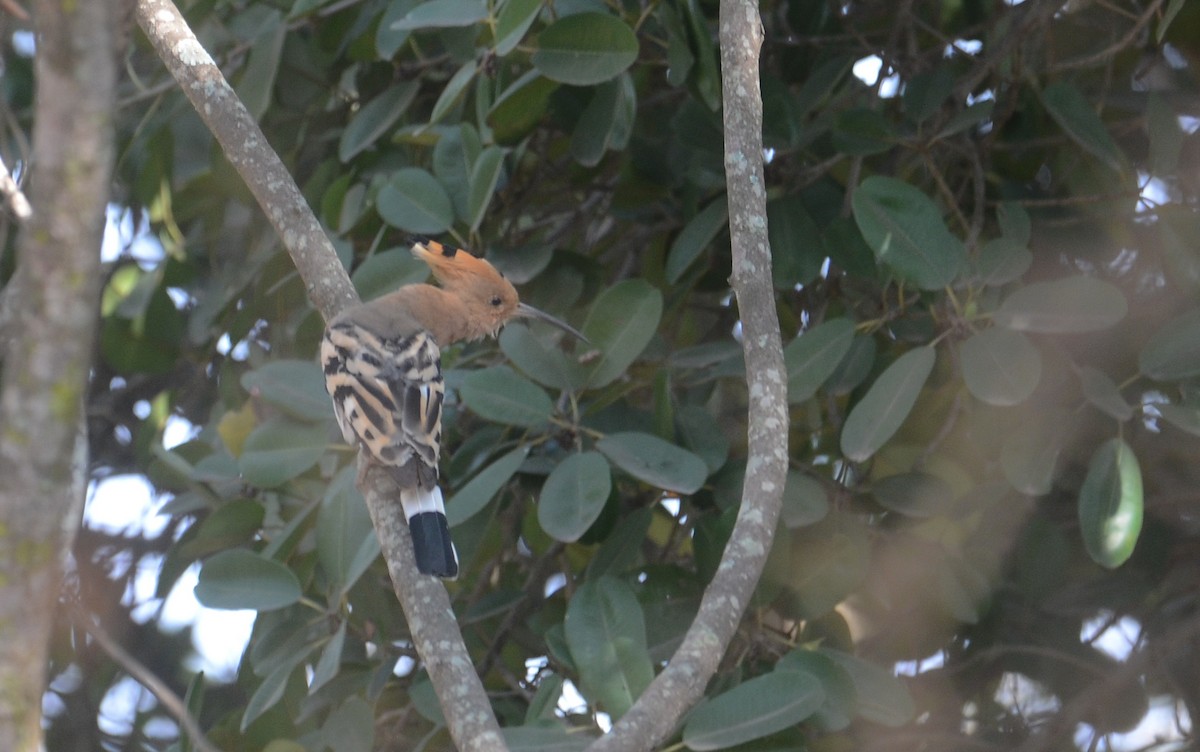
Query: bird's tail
(426, 513)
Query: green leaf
(231, 524)
(695, 237)
(296, 387)
(516, 16)
(474, 496)
(796, 255)
(1003, 260)
(257, 81)
(1110, 504)
(1029, 454)
(1168, 16)
(574, 495)
(453, 91)
(905, 229)
(544, 739)
(540, 358)
(812, 357)
(1184, 418)
(268, 693)
(1173, 352)
(654, 461)
(238, 579)
(454, 157)
(387, 272)
(886, 404)
(441, 14)
(1015, 224)
(351, 727)
(1100, 390)
(841, 698)
(805, 500)
(346, 541)
(861, 132)
(606, 634)
(585, 49)
(882, 698)
(520, 108)
(620, 324)
(388, 41)
(375, 118)
(925, 94)
(1074, 114)
(1070, 305)
(484, 176)
(594, 129)
(330, 660)
(415, 201)
(1000, 367)
(701, 434)
(753, 709)
(500, 394)
(279, 450)
(913, 494)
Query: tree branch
(51, 304)
(424, 600)
(658, 711)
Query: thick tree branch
(51, 303)
(424, 600)
(658, 711)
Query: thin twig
(170, 701)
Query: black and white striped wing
(387, 395)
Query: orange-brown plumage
(382, 364)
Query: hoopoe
(383, 369)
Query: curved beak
(529, 312)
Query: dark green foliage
(992, 347)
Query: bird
(383, 371)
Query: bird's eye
(496, 301)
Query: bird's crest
(453, 267)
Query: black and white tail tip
(432, 547)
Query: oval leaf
(695, 237)
(886, 404)
(484, 176)
(375, 118)
(1184, 418)
(514, 20)
(574, 495)
(1074, 114)
(294, 386)
(1065, 306)
(621, 323)
(905, 229)
(414, 200)
(500, 394)
(654, 461)
(606, 634)
(1001, 367)
(1029, 455)
(346, 541)
(540, 358)
(1110, 504)
(812, 357)
(1173, 352)
(238, 579)
(585, 49)
(805, 500)
(882, 698)
(279, 450)
(1100, 390)
(913, 494)
(474, 496)
(441, 14)
(753, 709)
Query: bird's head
(489, 299)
